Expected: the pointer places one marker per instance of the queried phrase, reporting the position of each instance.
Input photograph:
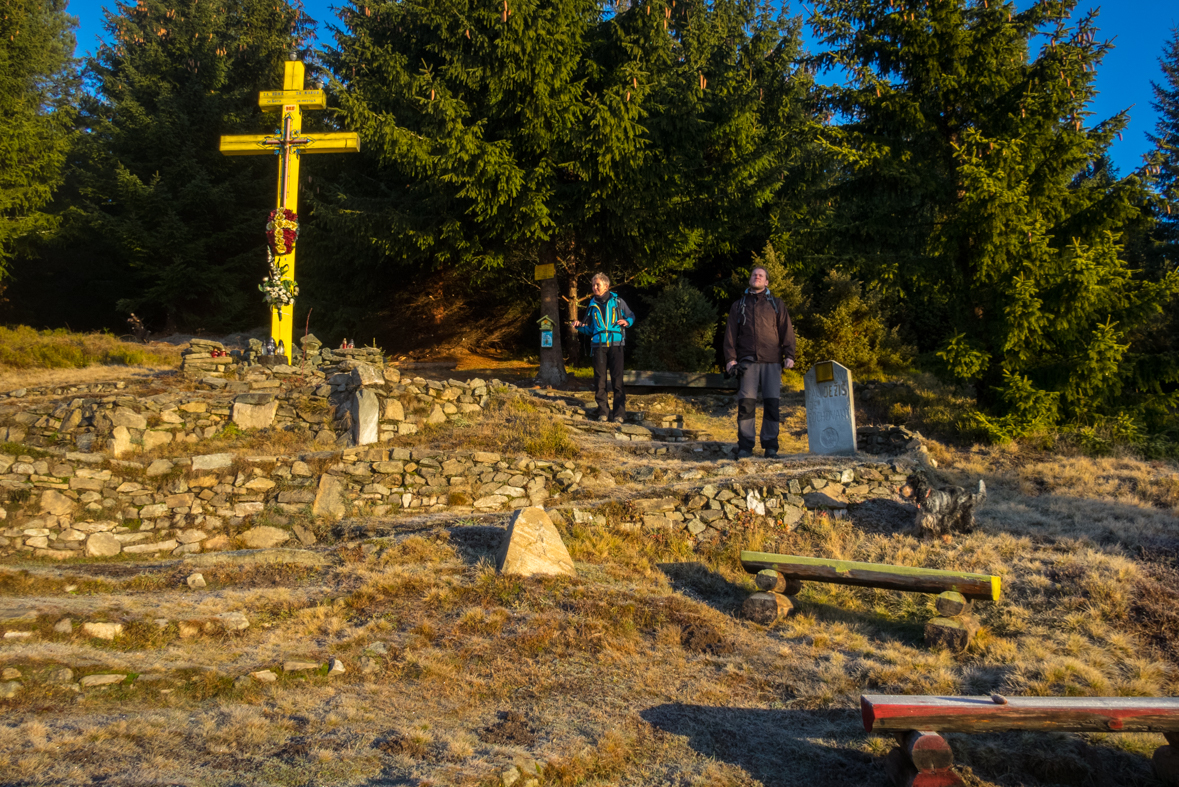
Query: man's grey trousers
(766, 378)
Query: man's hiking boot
(771, 453)
(602, 419)
(743, 454)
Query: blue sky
(1139, 29)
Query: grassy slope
(638, 672)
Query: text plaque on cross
(288, 142)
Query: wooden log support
(1166, 764)
(951, 604)
(876, 575)
(904, 774)
(766, 608)
(885, 713)
(951, 633)
(923, 759)
(772, 582)
(927, 750)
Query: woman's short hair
(601, 277)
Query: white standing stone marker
(365, 417)
(830, 409)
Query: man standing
(759, 341)
(606, 321)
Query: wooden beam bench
(679, 380)
(781, 576)
(924, 759)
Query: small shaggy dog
(942, 511)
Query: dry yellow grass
(638, 672)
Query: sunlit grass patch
(25, 348)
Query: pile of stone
(886, 439)
(310, 356)
(370, 355)
(78, 504)
(63, 390)
(322, 407)
(708, 512)
(197, 360)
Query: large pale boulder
(532, 546)
(103, 545)
(55, 503)
(254, 410)
(329, 498)
(264, 537)
(120, 444)
(211, 461)
(366, 374)
(123, 416)
(154, 438)
(394, 411)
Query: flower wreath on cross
(282, 230)
(276, 290)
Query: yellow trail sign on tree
(289, 143)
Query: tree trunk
(552, 362)
(571, 313)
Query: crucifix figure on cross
(288, 142)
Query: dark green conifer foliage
(677, 335)
(560, 131)
(968, 190)
(38, 80)
(1166, 144)
(178, 225)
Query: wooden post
(766, 608)
(952, 633)
(1166, 763)
(552, 361)
(923, 759)
(772, 582)
(951, 604)
(874, 575)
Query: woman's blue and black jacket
(601, 320)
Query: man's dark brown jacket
(759, 329)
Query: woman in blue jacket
(606, 319)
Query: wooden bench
(679, 380)
(924, 759)
(781, 576)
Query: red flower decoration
(282, 230)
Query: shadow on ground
(697, 581)
(779, 748)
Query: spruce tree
(559, 131)
(38, 80)
(1166, 150)
(971, 189)
(173, 226)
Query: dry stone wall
(77, 504)
(107, 417)
(708, 512)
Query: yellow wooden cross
(288, 143)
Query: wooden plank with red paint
(885, 713)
